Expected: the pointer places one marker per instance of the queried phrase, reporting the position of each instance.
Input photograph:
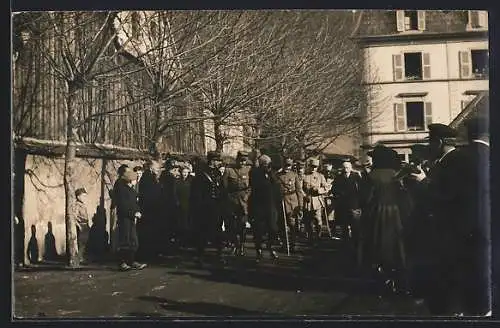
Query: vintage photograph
(250, 164)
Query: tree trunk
(219, 137)
(69, 183)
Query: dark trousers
(209, 228)
(83, 238)
(263, 227)
(126, 256)
(237, 230)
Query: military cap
(477, 126)
(441, 131)
(214, 155)
(242, 154)
(264, 159)
(288, 161)
(314, 162)
(80, 191)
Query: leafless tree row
(293, 78)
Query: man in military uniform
(443, 187)
(329, 174)
(206, 200)
(291, 190)
(314, 186)
(236, 182)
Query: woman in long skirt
(385, 237)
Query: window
(412, 116)
(478, 19)
(410, 20)
(402, 157)
(474, 63)
(411, 66)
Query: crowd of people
(414, 225)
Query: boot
(242, 251)
(259, 256)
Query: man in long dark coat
(266, 200)
(443, 187)
(166, 225)
(150, 203)
(206, 202)
(128, 212)
(346, 190)
(476, 224)
(236, 182)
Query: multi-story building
(422, 67)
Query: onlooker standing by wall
(128, 212)
(82, 223)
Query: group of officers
(417, 221)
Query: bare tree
(324, 97)
(72, 44)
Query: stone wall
(44, 199)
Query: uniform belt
(291, 192)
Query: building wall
(44, 200)
(445, 89)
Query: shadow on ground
(199, 308)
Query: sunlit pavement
(312, 282)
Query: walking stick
(327, 223)
(286, 229)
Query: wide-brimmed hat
(441, 131)
(214, 156)
(384, 157)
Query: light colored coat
(314, 186)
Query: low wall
(44, 198)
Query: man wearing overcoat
(291, 190)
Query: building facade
(424, 67)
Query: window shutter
(421, 20)
(400, 20)
(397, 64)
(482, 18)
(465, 64)
(399, 117)
(428, 114)
(426, 65)
(473, 18)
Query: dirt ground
(311, 282)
